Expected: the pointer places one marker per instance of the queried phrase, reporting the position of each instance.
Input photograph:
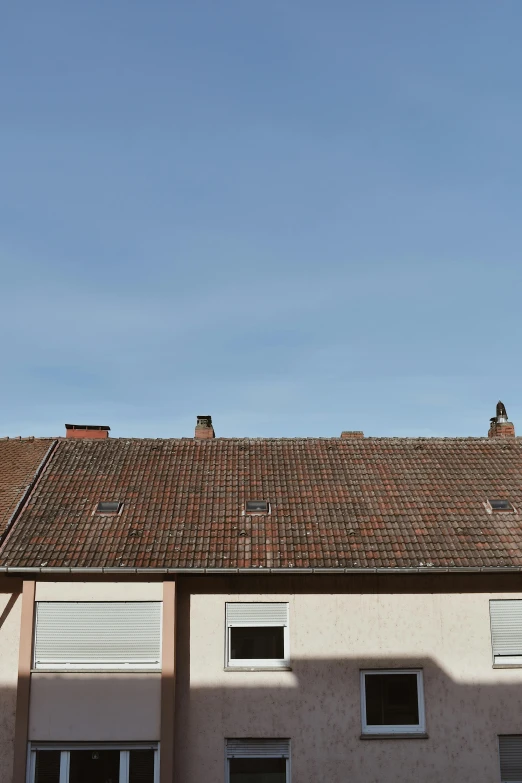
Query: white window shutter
(511, 758)
(256, 614)
(506, 627)
(258, 748)
(97, 633)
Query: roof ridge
(290, 439)
(26, 437)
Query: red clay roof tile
(19, 462)
(350, 503)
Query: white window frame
(258, 663)
(501, 661)
(228, 759)
(507, 661)
(420, 728)
(47, 664)
(65, 757)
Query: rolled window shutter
(506, 627)
(98, 633)
(511, 758)
(257, 614)
(258, 748)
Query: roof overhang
(48, 571)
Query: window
(93, 764)
(98, 635)
(258, 760)
(510, 752)
(257, 507)
(392, 702)
(257, 635)
(500, 505)
(506, 632)
(109, 507)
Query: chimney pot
(90, 431)
(204, 428)
(500, 426)
(352, 434)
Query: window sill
(507, 665)
(406, 735)
(258, 668)
(95, 671)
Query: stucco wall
(99, 591)
(97, 707)
(317, 704)
(10, 611)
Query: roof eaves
(18, 570)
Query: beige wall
(317, 704)
(10, 610)
(97, 707)
(99, 591)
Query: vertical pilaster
(23, 690)
(168, 683)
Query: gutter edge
(44, 570)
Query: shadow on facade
(318, 704)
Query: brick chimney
(500, 427)
(92, 431)
(352, 434)
(204, 428)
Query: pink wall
(10, 610)
(337, 627)
(98, 707)
(317, 704)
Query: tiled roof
(19, 462)
(335, 503)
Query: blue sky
(296, 216)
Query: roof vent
(94, 431)
(500, 427)
(352, 434)
(204, 428)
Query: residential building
(21, 461)
(267, 610)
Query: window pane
(257, 770)
(95, 766)
(257, 643)
(391, 700)
(47, 766)
(141, 766)
(257, 505)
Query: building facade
(264, 611)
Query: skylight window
(500, 505)
(257, 507)
(109, 507)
